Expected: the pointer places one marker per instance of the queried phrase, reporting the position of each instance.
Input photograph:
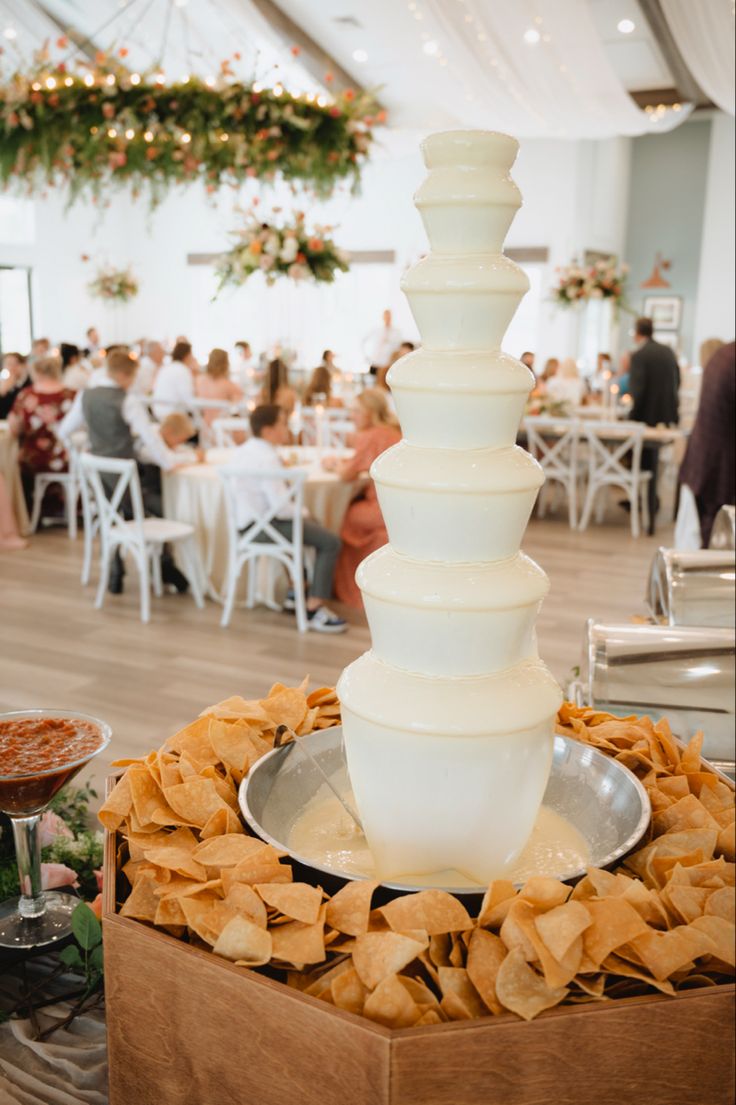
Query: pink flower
(56, 874)
(51, 827)
(98, 876)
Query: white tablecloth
(11, 472)
(194, 494)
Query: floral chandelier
(100, 125)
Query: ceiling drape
(704, 33)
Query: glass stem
(32, 902)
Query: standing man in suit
(654, 383)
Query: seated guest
(382, 373)
(528, 360)
(174, 386)
(74, 371)
(119, 426)
(215, 383)
(152, 360)
(551, 368)
(710, 461)
(175, 431)
(319, 388)
(363, 530)
(10, 539)
(270, 429)
(276, 389)
(13, 378)
(35, 413)
(566, 386)
(40, 347)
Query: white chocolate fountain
(448, 720)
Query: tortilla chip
(521, 990)
(434, 911)
(297, 900)
(244, 943)
(377, 955)
(117, 805)
(141, 904)
(195, 800)
(486, 953)
(297, 943)
(496, 902)
(349, 909)
(348, 992)
(390, 1004)
(561, 926)
(613, 922)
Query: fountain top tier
(468, 200)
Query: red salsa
(39, 755)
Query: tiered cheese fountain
(448, 720)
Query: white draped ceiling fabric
(704, 33)
(531, 67)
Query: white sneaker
(323, 620)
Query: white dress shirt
(73, 420)
(381, 344)
(257, 497)
(145, 377)
(149, 445)
(173, 389)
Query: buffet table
(11, 472)
(194, 494)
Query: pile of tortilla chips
(662, 921)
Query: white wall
(714, 308)
(574, 198)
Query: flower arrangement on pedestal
(103, 125)
(286, 249)
(119, 285)
(602, 280)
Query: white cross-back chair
(224, 430)
(76, 446)
(615, 461)
(69, 483)
(144, 538)
(197, 408)
(335, 429)
(244, 548)
(555, 444)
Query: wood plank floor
(148, 681)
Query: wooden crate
(186, 1027)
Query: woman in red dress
(34, 414)
(363, 530)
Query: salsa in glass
(37, 757)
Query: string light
(160, 78)
(224, 137)
(50, 82)
(130, 133)
(210, 82)
(186, 138)
(532, 36)
(112, 133)
(135, 78)
(278, 90)
(148, 136)
(257, 87)
(110, 78)
(89, 80)
(36, 86)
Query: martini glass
(39, 916)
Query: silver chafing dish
(692, 588)
(723, 534)
(683, 673)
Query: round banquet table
(11, 471)
(194, 494)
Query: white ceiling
(481, 73)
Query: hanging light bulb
(130, 133)
(278, 90)
(89, 80)
(112, 133)
(186, 138)
(50, 83)
(68, 81)
(148, 136)
(135, 78)
(110, 78)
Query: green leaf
(96, 960)
(70, 957)
(86, 928)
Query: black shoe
(171, 574)
(115, 582)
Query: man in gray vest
(118, 426)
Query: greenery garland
(280, 250)
(108, 126)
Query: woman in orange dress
(363, 530)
